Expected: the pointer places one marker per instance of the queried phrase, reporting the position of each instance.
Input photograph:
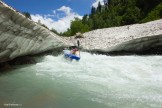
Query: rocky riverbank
(137, 38)
(20, 36)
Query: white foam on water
(110, 80)
(97, 81)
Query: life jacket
(74, 51)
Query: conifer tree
(99, 7)
(93, 10)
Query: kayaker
(76, 52)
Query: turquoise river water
(96, 81)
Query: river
(96, 81)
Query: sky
(56, 14)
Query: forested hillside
(117, 13)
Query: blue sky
(55, 14)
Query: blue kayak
(72, 56)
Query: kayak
(67, 54)
(72, 56)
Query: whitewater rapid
(96, 81)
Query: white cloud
(66, 10)
(62, 24)
(95, 4)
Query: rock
(4, 66)
(22, 60)
(79, 35)
(20, 36)
(131, 39)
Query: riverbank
(137, 38)
(20, 36)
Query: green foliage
(117, 13)
(27, 14)
(161, 13)
(131, 16)
(154, 14)
(99, 8)
(54, 31)
(44, 26)
(67, 33)
(77, 26)
(147, 6)
(93, 10)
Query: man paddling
(76, 52)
